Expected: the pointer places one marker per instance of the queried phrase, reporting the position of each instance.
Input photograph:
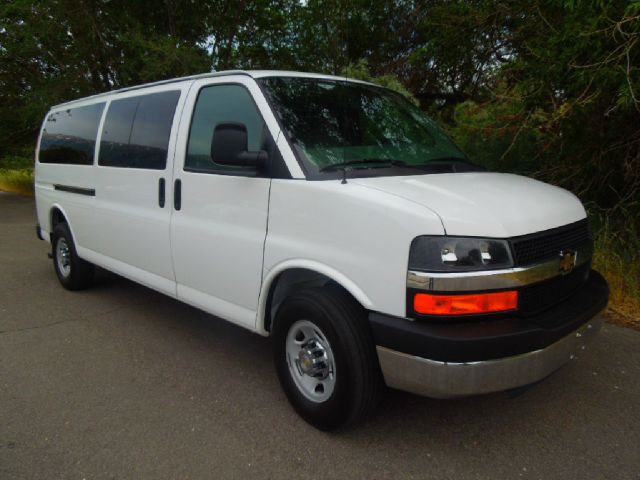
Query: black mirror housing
(229, 147)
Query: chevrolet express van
(332, 215)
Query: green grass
(17, 180)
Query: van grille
(543, 295)
(541, 246)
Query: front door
(218, 228)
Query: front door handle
(177, 195)
(161, 194)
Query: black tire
(343, 322)
(79, 274)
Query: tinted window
(221, 104)
(69, 136)
(136, 131)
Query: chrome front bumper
(448, 380)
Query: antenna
(345, 29)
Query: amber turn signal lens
(429, 304)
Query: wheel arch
(57, 214)
(292, 274)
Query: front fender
(306, 264)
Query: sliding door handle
(177, 195)
(161, 194)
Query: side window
(69, 136)
(136, 131)
(220, 104)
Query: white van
(331, 214)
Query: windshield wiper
(435, 164)
(362, 163)
(452, 161)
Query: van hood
(483, 203)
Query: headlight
(458, 254)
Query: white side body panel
(217, 242)
(79, 207)
(358, 236)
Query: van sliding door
(134, 172)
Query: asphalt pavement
(121, 382)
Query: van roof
(249, 73)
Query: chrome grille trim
(493, 279)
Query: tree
(56, 50)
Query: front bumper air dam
(489, 354)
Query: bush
(17, 181)
(617, 257)
(17, 162)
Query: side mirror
(229, 147)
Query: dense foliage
(550, 88)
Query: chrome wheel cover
(311, 361)
(63, 257)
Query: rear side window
(69, 136)
(221, 104)
(136, 131)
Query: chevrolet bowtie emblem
(567, 261)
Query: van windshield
(334, 123)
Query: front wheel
(325, 357)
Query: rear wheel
(73, 272)
(325, 357)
